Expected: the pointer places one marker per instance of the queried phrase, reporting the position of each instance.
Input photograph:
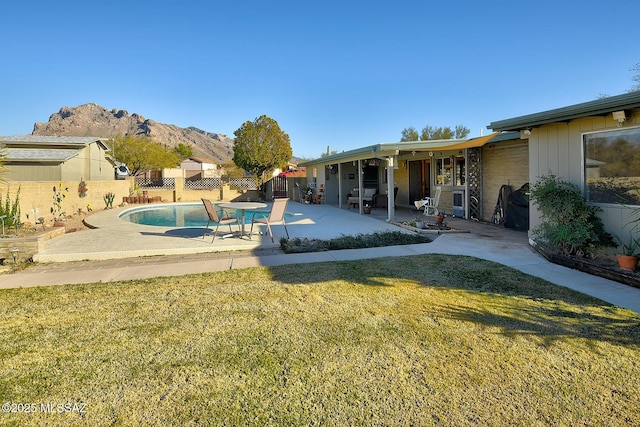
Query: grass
(424, 340)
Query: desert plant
(630, 247)
(631, 244)
(59, 194)
(108, 200)
(569, 225)
(11, 209)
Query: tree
(183, 151)
(261, 146)
(329, 152)
(635, 78)
(430, 133)
(461, 131)
(141, 153)
(409, 134)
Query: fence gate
(279, 187)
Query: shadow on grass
(486, 293)
(552, 323)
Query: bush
(569, 225)
(389, 238)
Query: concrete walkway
(125, 251)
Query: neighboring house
(292, 171)
(594, 145)
(470, 172)
(198, 167)
(55, 158)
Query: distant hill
(94, 120)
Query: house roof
(55, 149)
(39, 154)
(202, 160)
(599, 107)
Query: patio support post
(360, 185)
(340, 190)
(391, 211)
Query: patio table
(242, 207)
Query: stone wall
(26, 247)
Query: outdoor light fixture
(620, 117)
(527, 131)
(413, 153)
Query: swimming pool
(175, 215)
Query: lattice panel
(156, 182)
(242, 183)
(203, 184)
(474, 183)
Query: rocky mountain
(94, 120)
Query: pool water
(176, 215)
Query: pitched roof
(599, 107)
(40, 140)
(37, 148)
(39, 154)
(202, 160)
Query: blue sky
(343, 74)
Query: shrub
(11, 209)
(569, 225)
(388, 238)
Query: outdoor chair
(224, 219)
(430, 204)
(367, 197)
(352, 198)
(276, 216)
(382, 200)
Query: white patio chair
(430, 204)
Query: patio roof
(599, 107)
(393, 149)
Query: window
(612, 166)
(444, 171)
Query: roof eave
(599, 107)
(384, 150)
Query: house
(470, 173)
(56, 158)
(594, 145)
(199, 167)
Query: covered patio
(400, 173)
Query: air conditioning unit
(458, 203)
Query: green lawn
(425, 340)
